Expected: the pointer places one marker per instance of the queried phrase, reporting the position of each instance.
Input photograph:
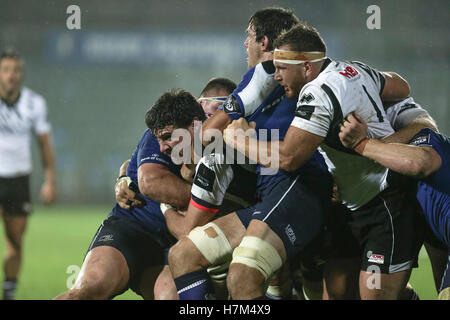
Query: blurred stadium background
(100, 80)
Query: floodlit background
(99, 82)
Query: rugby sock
(9, 289)
(195, 286)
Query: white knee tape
(212, 243)
(258, 254)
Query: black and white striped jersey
(27, 116)
(341, 88)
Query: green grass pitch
(57, 238)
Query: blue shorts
(140, 248)
(293, 211)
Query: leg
(205, 246)
(104, 274)
(438, 258)
(165, 288)
(378, 286)
(14, 231)
(341, 279)
(247, 276)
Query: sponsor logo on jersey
(204, 178)
(304, 111)
(423, 139)
(375, 258)
(349, 72)
(106, 238)
(290, 233)
(231, 105)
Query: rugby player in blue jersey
(427, 159)
(129, 248)
(276, 227)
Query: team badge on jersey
(231, 105)
(306, 98)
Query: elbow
(423, 165)
(148, 187)
(288, 164)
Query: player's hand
(125, 197)
(353, 130)
(239, 127)
(48, 193)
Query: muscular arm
(48, 190)
(220, 120)
(158, 183)
(415, 161)
(395, 88)
(297, 147)
(180, 225)
(404, 135)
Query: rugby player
(214, 243)
(129, 248)
(327, 91)
(425, 158)
(23, 113)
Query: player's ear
(264, 43)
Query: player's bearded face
(292, 78)
(10, 74)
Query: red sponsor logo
(349, 72)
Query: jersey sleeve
(405, 112)
(377, 76)
(255, 86)
(441, 144)
(41, 125)
(149, 152)
(314, 112)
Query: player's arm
(405, 134)
(158, 183)
(290, 154)
(181, 223)
(48, 189)
(415, 161)
(219, 121)
(395, 87)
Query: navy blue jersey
(433, 192)
(149, 216)
(275, 112)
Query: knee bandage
(212, 243)
(258, 254)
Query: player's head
(298, 57)
(264, 27)
(215, 93)
(175, 109)
(11, 71)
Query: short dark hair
(301, 38)
(10, 54)
(271, 22)
(177, 108)
(219, 83)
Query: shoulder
(34, 100)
